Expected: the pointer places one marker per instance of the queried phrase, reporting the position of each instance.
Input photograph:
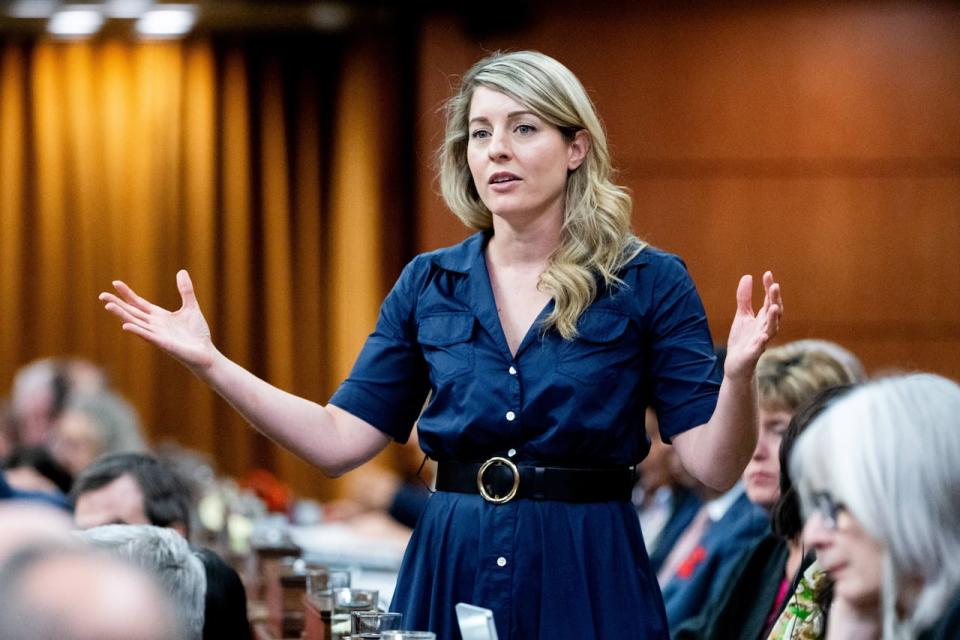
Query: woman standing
(541, 340)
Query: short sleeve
(685, 377)
(388, 384)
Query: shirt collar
(460, 257)
(718, 507)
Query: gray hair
(166, 554)
(889, 452)
(77, 597)
(115, 419)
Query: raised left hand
(750, 333)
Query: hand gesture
(183, 334)
(750, 333)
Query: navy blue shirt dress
(547, 569)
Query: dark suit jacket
(741, 609)
(708, 571)
(685, 507)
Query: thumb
(185, 286)
(745, 295)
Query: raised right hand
(183, 334)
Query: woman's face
(75, 442)
(518, 161)
(849, 555)
(762, 475)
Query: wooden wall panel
(818, 140)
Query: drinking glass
(366, 621)
(322, 582)
(345, 602)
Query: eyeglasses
(828, 508)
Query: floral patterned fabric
(802, 618)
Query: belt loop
(539, 473)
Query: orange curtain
(266, 168)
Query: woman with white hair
(879, 477)
(540, 341)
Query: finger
(143, 332)
(110, 299)
(772, 324)
(767, 280)
(185, 286)
(745, 295)
(124, 314)
(131, 296)
(776, 295)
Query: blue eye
(479, 133)
(525, 129)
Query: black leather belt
(500, 480)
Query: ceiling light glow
(32, 8)
(75, 21)
(169, 21)
(126, 9)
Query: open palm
(184, 333)
(750, 333)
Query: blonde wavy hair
(595, 239)
(791, 374)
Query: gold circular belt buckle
(516, 480)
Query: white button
(501, 561)
(511, 416)
(511, 453)
(512, 370)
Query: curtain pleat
(133, 160)
(12, 205)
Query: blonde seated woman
(879, 477)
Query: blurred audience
(34, 469)
(94, 424)
(40, 390)
(165, 554)
(71, 593)
(136, 488)
(9, 493)
(28, 522)
(879, 480)
(663, 496)
(131, 488)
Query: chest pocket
(446, 343)
(600, 351)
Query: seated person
(165, 554)
(34, 469)
(786, 377)
(751, 604)
(878, 478)
(135, 488)
(722, 528)
(8, 492)
(92, 425)
(664, 500)
(26, 522)
(73, 593)
(40, 390)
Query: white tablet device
(476, 623)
